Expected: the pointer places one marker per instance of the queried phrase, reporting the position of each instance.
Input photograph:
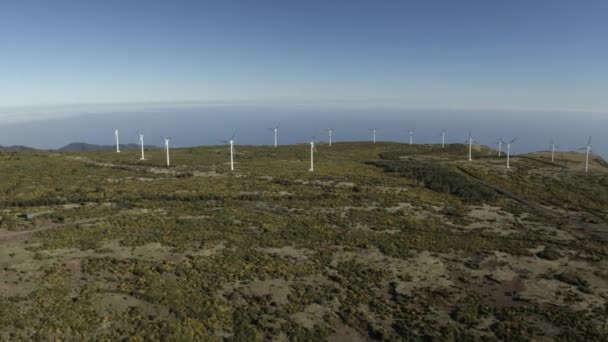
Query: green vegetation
(368, 246)
(439, 178)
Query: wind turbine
(588, 148)
(374, 135)
(411, 136)
(312, 154)
(509, 152)
(470, 141)
(443, 138)
(116, 135)
(167, 141)
(275, 129)
(231, 142)
(141, 144)
(330, 132)
(553, 146)
(500, 142)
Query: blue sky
(549, 55)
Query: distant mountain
(16, 148)
(80, 147)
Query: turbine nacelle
(588, 146)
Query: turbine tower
(443, 138)
(411, 136)
(500, 142)
(141, 145)
(330, 132)
(553, 146)
(116, 135)
(312, 154)
(470, 141)
(374, 135)
(231, 142)
(275, 129)
(588, 149)
(509, 152)
(167, 141)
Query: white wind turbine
(443, 138)
(312, 154)
(588, 149)
(167, 141)
(141, 145)
(231, 142)
(553, 147)
(509, 152)
(411, 132)
(116, 135)
(500, 142)
(275, 129)
(374, 135)
(330, 132)
(470, 141)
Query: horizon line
(303, 143)
(347, 104)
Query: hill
(381, 242)
(16, 148)
(82, 147)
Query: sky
(62, 56)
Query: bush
(439, 178)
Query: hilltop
(77, 147)
(382, 242)
(16, 148)
(82, 147)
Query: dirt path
(152, 169)
(534, 205)
(576, 223)
(8, 235)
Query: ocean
(210, 124)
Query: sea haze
(209, 125)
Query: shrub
(439, 178)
